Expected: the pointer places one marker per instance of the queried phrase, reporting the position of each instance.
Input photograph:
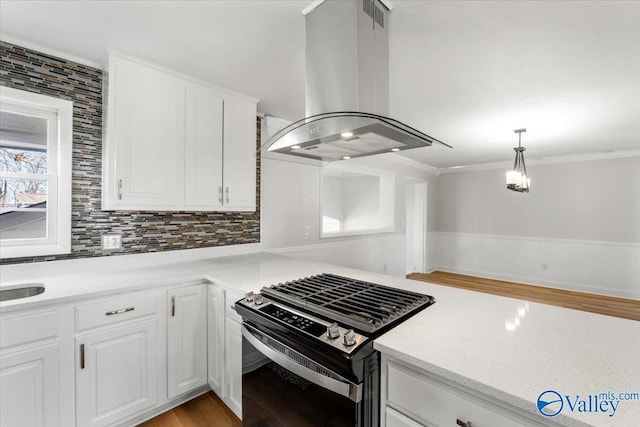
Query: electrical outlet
(112, 242)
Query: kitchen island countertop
(505, 349)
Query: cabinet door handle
(122, 310)
(227, 194)
(173, 306)
(81, 356)
(463, 424)
(119, 189)
(220, 194)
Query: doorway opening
(416, 225)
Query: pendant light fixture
(517, 179)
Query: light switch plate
(112, 242)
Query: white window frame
(58, 177)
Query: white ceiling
(467, 73)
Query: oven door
(283, 388)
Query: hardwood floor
(203, 411)
(610, 306)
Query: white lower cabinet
(119, 360)
(215, 340)
(233, 350)
(413, 398)
(116, 358)
(34, 378)
(224, 343)
(186, 339)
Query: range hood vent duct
(347, 89)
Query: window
(35, 174)
(356, 200)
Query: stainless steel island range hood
(347, 89)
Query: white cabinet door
(215, 340)
(233, 350)
(144, 137)
(203, 149)
(116, 373)
(29, 387)
(239, 155)
(186, 340)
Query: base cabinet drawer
(424, 400)
(396, 419)
(114, 310)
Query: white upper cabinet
(144, 148)
(203, 148)
(174, 143)
(239, 157)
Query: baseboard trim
(138, 419)
(537, 282)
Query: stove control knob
(258, 299)
(249, 296)
(333, 331)
(349, 338)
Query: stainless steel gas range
(307, 350)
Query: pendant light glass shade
(517, 179)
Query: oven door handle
(342, 387)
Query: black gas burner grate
(368, 307)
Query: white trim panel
(601, 267)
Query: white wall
(361, 203)
(588, 200)
(578, 228)
(291, 200)
(332, 197)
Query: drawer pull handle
(227, 193)
(463, 424)
(220, 195)
(81, 356)
(119, 189)
(122, 310)
(173, 306)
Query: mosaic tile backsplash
(142, 232)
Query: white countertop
(469, 338)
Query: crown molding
(316, 3)
(52, 52)
(412, 163)
(571, 158)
